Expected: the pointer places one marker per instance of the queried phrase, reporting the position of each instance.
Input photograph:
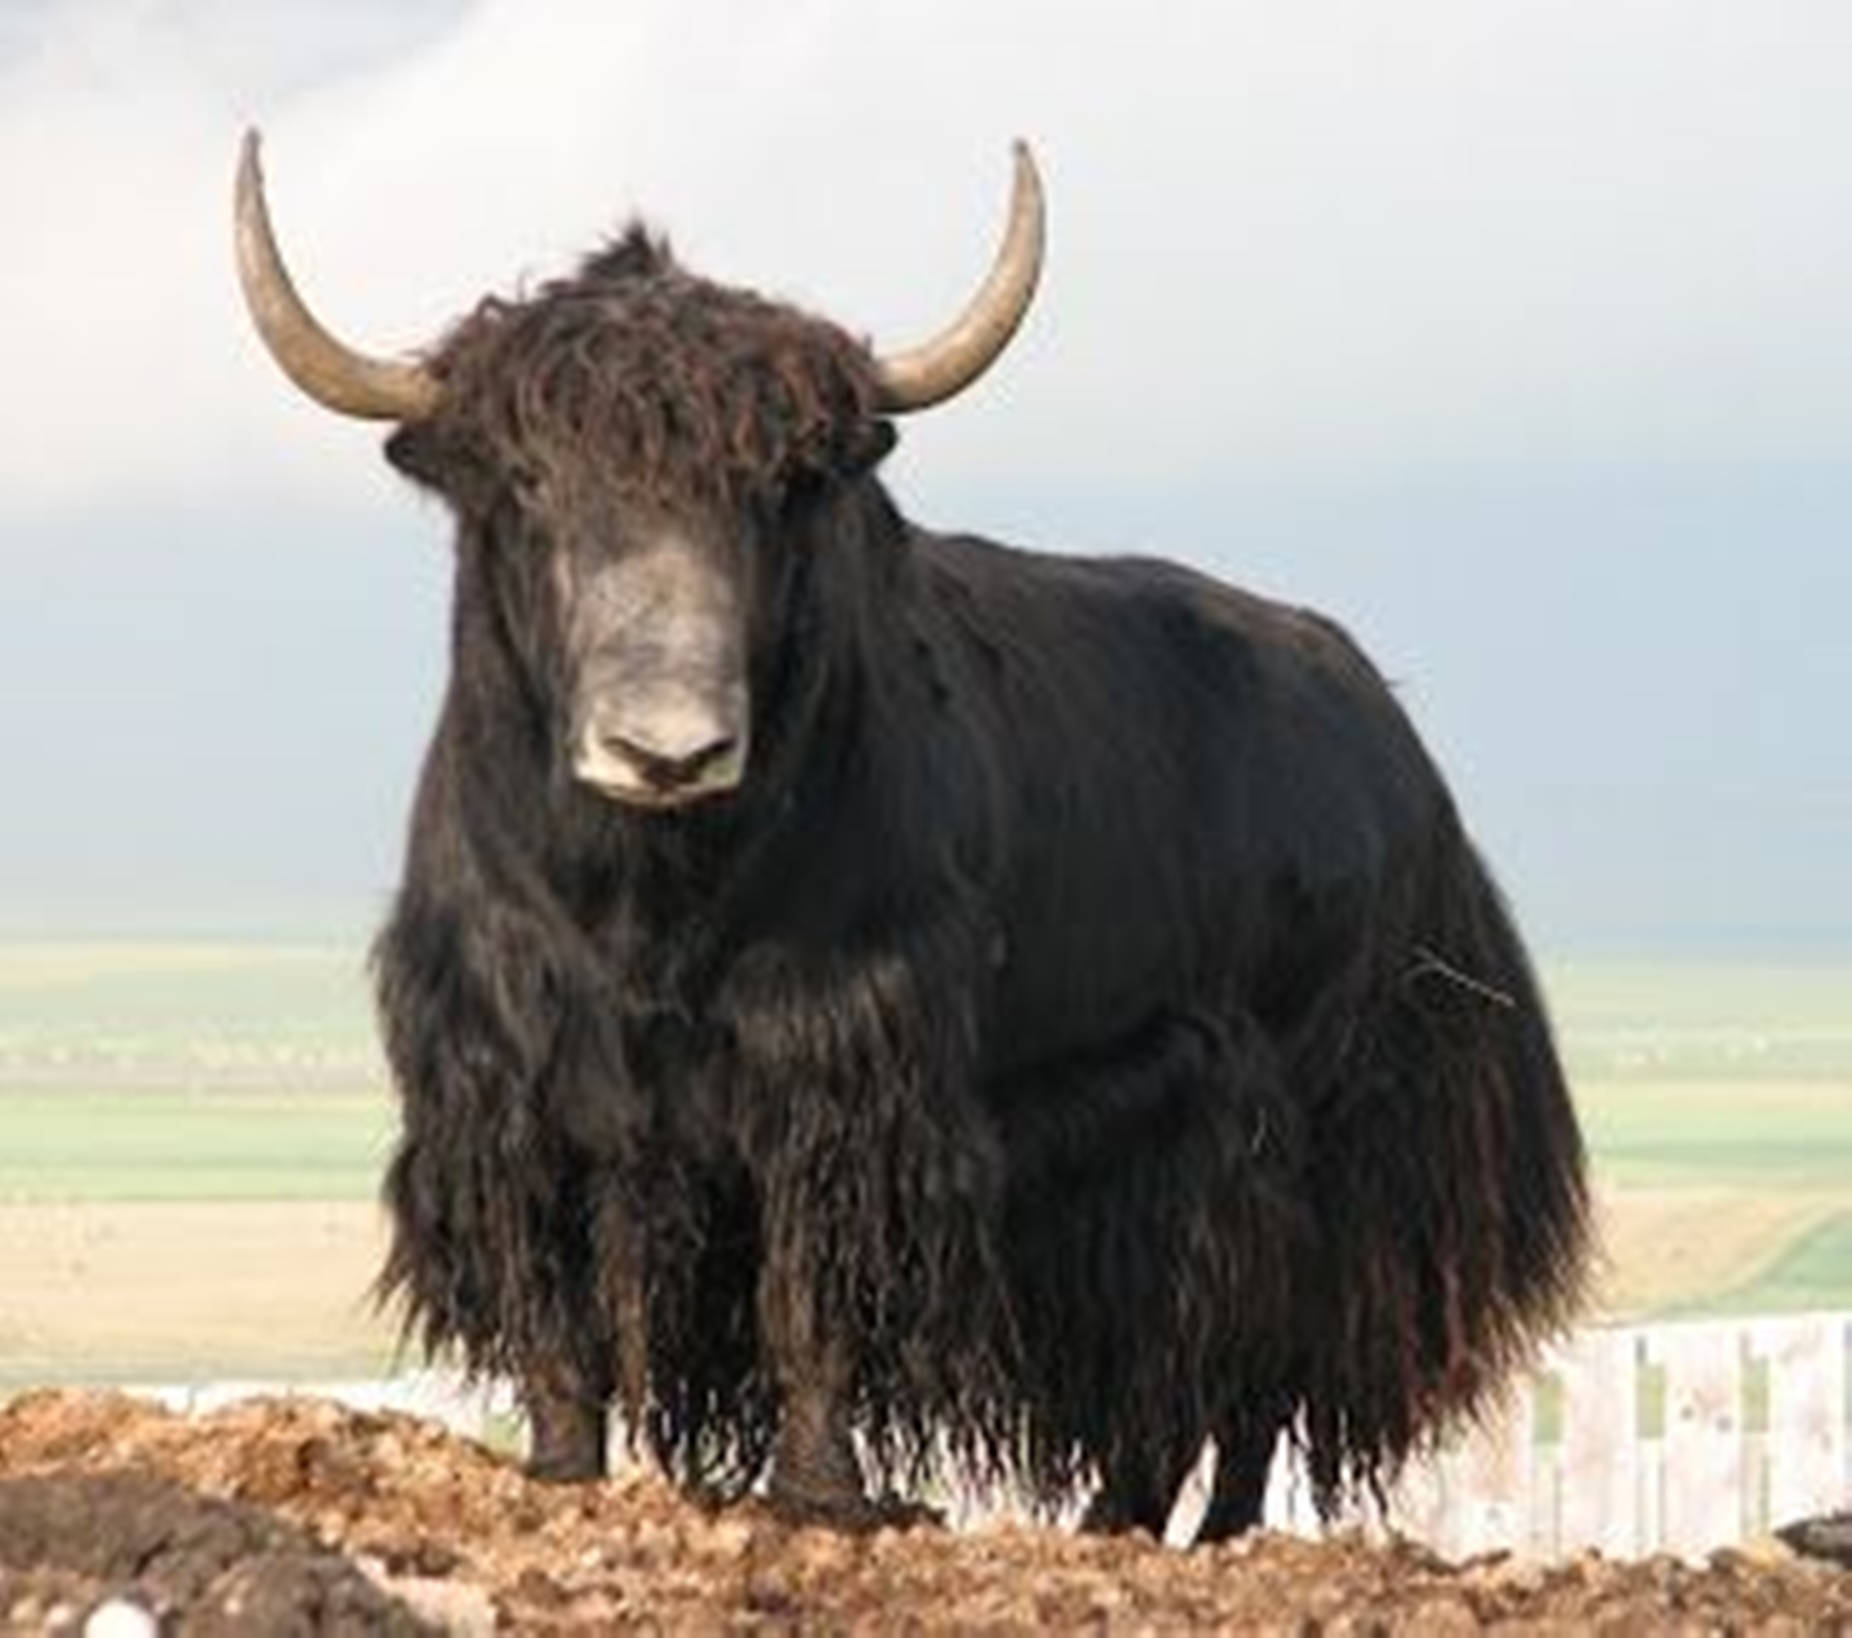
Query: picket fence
(1677, 1438)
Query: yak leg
(570, 1426)
(816, 1477)
(815, 1474)
(1244, 1444)
(1136, 1494)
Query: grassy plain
(191, 1138)
(181, 1143)
(1717, 1104)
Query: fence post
(1487, 1479)
(1598, 1446)
(1806, 1357)
(1703, 1434)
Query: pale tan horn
(960, 353)
(333, 374)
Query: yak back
(1197, 794)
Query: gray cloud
(1518, 335)
(1328, 236)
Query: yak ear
(868, 445)
(418, 450)
(412, 449)
(441, 461)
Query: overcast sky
(1516, 335)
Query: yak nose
(666, 769)
(660, 757)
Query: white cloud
(1328, 236)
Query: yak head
(628, 445)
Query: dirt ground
(300, 1516)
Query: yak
(864, 998)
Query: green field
(188, 1072)
(164, 1143)
(191, 1138)
(1756, 1132)
(1704, 1020)
(95, 1016)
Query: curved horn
(961, 352)
(350, 383)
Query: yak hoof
(1117, 1508)
(567, 1447)
(572, 1468)
(848, 1511)
(1104, 1517)
(897, 1513)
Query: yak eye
(525, 486)
(561, 571)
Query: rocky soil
(299, 1516)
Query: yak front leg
(815, 1474)
(569, 1425)
(816, 1477)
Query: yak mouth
(642, 799)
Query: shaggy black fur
(1087, 1028)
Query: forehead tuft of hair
(636, 372)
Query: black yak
(862, 996)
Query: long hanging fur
(1455, 1232)
(1090, 1011)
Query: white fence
(478, 1411)
(1678, 1438)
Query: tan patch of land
(171, 1291)
(1666, 1247)
(58, 963)
(174, 1291)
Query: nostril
(667, 769)
(708, 755)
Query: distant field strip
(110, 1017)
(1717, 1105)
(1693, 1021)
(160, 1144)
(1769, 1134)
(141, 1071)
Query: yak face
(640, 452)
(653, 614)
(637, 624)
